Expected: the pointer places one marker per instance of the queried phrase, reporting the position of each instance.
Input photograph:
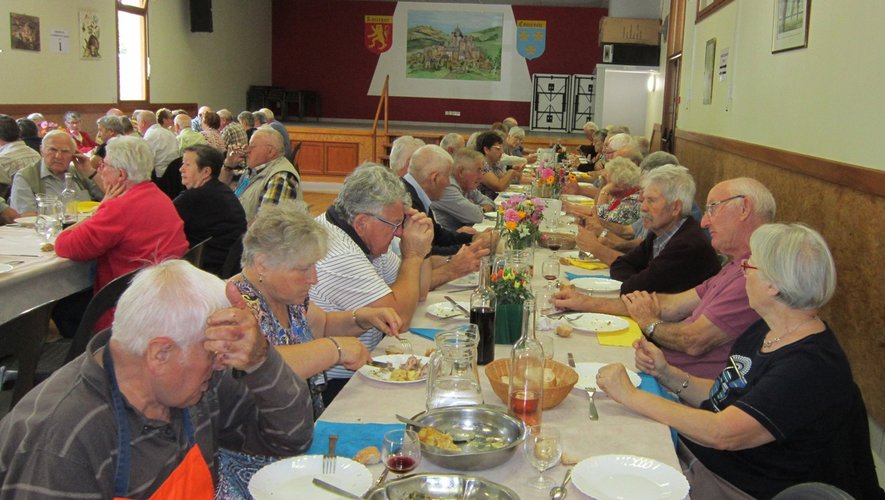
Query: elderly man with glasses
(360, 269)
(697, 327)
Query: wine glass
(543, 448)
(401, 451)
(550, 268)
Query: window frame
(143, 12)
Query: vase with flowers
(552, 177)
(512, 286)
(520, 219)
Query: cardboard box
(626, 30)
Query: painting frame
(24, 32)
(461, 46)
(89, 35)
(790, 25)
(709, 70)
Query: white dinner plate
(445, 310)
(493, 215)
(507, 194)
(469, 281)
(26, 221)
(574, 255)
(292, 478)
(609, 477)
(598, 285)
(396, 360)
(595, 322)
(587, 375)
(5, 268)
(577, 198)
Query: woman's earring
(261, 278)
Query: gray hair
(471, 141)
(675, 183)
(131, 154)
(618, 129)
(72, 115)
(286, 235)
(267, 113)
(796, 260)
(225, 114)
(509, 122)
(274, 136)
(368, 189)
(764, 206)
(246, 116)
(429, 159)
(186, 296)
(657, 159)
(147, 117)
(452, 141)
(183, 121)
(623, 172)
(465, 157)
(591, 126)
(620, 141)
(112, 123)
(58, 133)
(517, 132)
(260, 117)
(36, 117)
(402, 150)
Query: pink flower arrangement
(520, 219)
(552, 178)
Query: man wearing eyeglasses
(360, 269)
(697, 327)
(268, 178)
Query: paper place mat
(623, 338)
(427, 333)
(587, 265)
(351, 437)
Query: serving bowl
(440, 486)
(555, 393)
(496, 436)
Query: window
(132, 50)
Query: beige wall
(823, 101)
(213, 68)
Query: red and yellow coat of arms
(379, 33)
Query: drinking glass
(550, 268)
(546, 341)
(401, 451)
(543, 448)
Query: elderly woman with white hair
(785, 409)
(135, 224)
(618, 200)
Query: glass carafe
(482, 314)
(526, 388)
(50, 206)
(453, 378)
(68, 199)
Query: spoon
(559, 492)
(458, 436)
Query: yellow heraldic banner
(379, 33)
(531, 38)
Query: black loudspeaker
(201, 16)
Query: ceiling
(536, 3)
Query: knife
(334, 489)
(459, 306)
(571, 360)
(560, 314)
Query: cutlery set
(591, 391)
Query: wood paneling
(341, 158)
(310, 158)
(88, 112)
(845, 203)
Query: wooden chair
(170, 182)
(195, 254)
(57, 354)
(21, 339)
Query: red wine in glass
(400, 464)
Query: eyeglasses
(710, 209)
(394, 225)
(745, 266)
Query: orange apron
(191, 480)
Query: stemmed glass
(401, 451)
(543, 448)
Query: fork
(407, 346)
(591, 391)
(330, 458)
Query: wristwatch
(650, 329)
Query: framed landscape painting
(790, 30)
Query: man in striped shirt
(153, 400)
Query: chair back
(105, 299)
(195, 254)
(232, 264)
(170, 182)
(22, 338)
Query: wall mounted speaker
(201, 16)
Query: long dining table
(618, 430)
(36, 277)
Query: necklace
(769, 343)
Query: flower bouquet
(511, 287)
(520, 219)
(551, 179)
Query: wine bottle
(526, 388)
(482, 314)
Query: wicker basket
(566, 378)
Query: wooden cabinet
(327, 158)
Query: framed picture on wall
(790, 30)
(24, 31)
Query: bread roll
(369, 455)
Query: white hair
(761, 199)
(452, 141)
(796, 260)
(675, 183)
(172, 299)
(590, 126)
(286, 235)
(429, 159)
(517, 132)
(132, 155)
(274, 136)
(622, 172)
(402, 150)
